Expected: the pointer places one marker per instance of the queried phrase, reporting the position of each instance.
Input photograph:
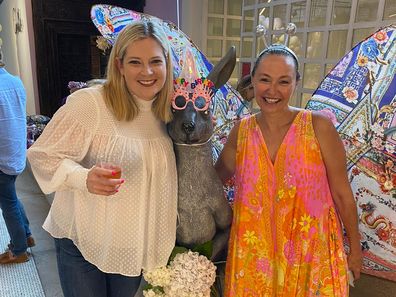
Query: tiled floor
(370, 286)
(37, 206)
(18, 279)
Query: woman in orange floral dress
(291, 190)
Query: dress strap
(244, 128)
(304, 123)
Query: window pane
(315, 45)
(367, 10)
(263, 17)
(247, 44)
(312, 76)
(234, 7)
(295, 43)
(317, 16)
(279, 17)
(360, 34)
(260, 45)
(305, 98)
(245, 68)
(216, 6)
(215, 26)
(214, 61)
(264, 12)
(237, 45)
(294, 100)
(337, 44)
(250, 2)
(341, 12)
(233, 28)
(278, 38)
(390, 10)
(214, 48)
(298, 14)
(248, 25)
(235, 74)
(328, 68)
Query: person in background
(13, 141)
(291, 189)
(245, 88)
(107, 155)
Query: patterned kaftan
(286, 238)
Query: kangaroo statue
(204, 212)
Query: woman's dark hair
(280, 50)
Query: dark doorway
(65, 46)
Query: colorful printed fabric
(227, 105)
(286, 239)
(359, 95)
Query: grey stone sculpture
(204, 212)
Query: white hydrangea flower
(192, 272)
(188, 275)
(159, 277)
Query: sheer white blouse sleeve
(56, 154)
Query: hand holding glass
(115, 169)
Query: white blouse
(124, 233)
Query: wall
(18, 49)
(190, 15)
(163, 9)
(192, 21)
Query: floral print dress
(286, 238)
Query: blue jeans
(13, 213)
(79, 278)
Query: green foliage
(156, 289)
(176, 250)
(204, 249)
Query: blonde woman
(108, 228)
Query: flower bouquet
(188, 274)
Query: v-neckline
(273, 163)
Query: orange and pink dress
(286, 238)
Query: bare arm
(334, 157)
(225, 165)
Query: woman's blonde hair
(117, 97)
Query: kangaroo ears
(222, 71)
